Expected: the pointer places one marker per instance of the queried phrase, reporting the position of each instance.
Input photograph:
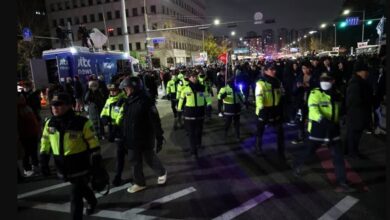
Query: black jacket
(141, 122)
(359, 103)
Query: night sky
(287, 13)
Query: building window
(92, 18)
(153, 9)
(112, 47)
(163, 9)
(110, 32)
(54, 23)
(98, 2)
(62, 22)
(74, 3)
(100, 15)
(82, 3)
(143, 10)
(117, 14)
(90, 2)
(52, 7)
(154, 26)
(120, 47)
(130, 46)
(69, 20)
(67, 5)
(135, 12)
(143, 28)
(127, 13)
(85, 19)
(128, 30)
(136, 29)
(109, 15)
(59, 6)
(138, 46)
(119, 31)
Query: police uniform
(269, 110)
(323, 127)
(202, 80)
(183, 82)
(193, 103)
(172, 87)
(111, 115)
(71, 139)
(231, 98)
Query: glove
(223, 96)
(159, 143)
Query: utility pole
(124, 27)
(148, 58)
(105, 29)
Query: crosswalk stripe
(245, 206)
(339, 209)
(38, 191)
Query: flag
(98, 38)
(223, 58)
(379, 27)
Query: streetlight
(305, 36)
(217, 22)
(323, 25)
(346, 12)
(233, 33)
(240, 38)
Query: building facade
(176, 47)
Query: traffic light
(369, 22)
(343, 24)
(110, 30)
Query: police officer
(141, 128)
(172, 87)
(112, 116)
(269, 109)
(206, 83)
(324, 115)
(183, 82)
(72, 141)
(193, 103)
(231, 97)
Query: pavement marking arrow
(245, 206)
(38, 191)
(339, 209)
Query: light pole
(323, 25)
(148, 58)
(335, 35)
(124, 26)
(347, 11)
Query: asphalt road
(227, 182)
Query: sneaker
(297, 141)
(28, 173)
(162, 179)
(135, 188)
(220, 115)
(344, 188)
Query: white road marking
(339, 209)
(245, 206)
(38, 191)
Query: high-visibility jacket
(70, 139)
(324, 107)
(112, 108)
(268, 94)
(172, 87)
(193, 101)
(181, 85)
(231, 100)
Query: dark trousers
(236, 121)
(353, 140)
(174, 106)
(195, 129)
(337, 157)
(301, 122)
(80, 190)
(150, 157)
(220, 105)
(30, 147)
(279, 132)
(120, 159)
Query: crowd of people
(315, 95)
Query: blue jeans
(337, 157)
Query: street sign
(27, 34)
(335, 49)
(157, 40)
(362, 44)
(258, 17)
(352, 21)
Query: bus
(81, 62)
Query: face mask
(326, 85)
